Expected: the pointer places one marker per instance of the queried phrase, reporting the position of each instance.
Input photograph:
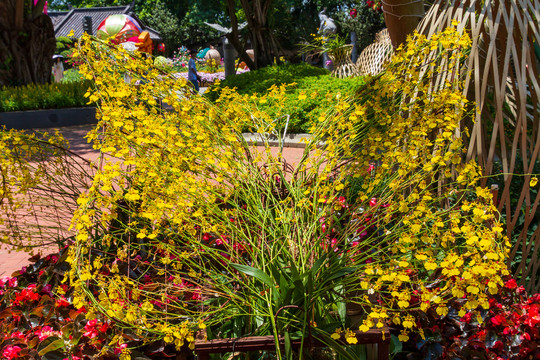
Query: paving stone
(11, 262)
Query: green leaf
(320, 261)
(342, 311)
(54, 355)
(288, 347)
(256, 273)
(54, 345)
(395, 345)
(340, 273)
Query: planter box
(290, 140)
(49, 118)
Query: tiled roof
(65, 21)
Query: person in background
(58, 69)
(193, 77)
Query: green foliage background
(47, 96)
(366, 24)
(182, 22)
(323, 91)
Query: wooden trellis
(372, 59)
(501, 77)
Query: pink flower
(12, 282)
(11, 352)
(46, 332)
(118, 350)
(91, 330)
(373, 202)
(17, 335)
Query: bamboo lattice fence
(372, 59)
(341, 59)
(501, 77)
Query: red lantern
(353, 13)
(120, 27)
(161, 47)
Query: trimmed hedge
(316, 84)
(46, 96)
(259, 81)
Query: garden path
(13, 261)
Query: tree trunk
(262, 39)
(401, 18)
(261, 36)
(27, 43)
(234, 36)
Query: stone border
(290, 140)
(55, 118)
(49, 118)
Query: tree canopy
(286, 22)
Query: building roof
(65, 21)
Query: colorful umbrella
(120, 27)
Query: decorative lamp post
(229, 53)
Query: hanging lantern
(119, 27)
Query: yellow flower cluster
(39, 182)
(181, 209)
(444, 238)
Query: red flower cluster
(11, 352)
(25, 296)
(374, 4)
(510, 329)
(93, 329)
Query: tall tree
(27, 43)
(275, 27)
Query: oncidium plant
(188, 230)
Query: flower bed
(208, 79)
(187, 230)
(38, 320)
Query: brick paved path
(10, 262)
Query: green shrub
(72, 75)
(321, 94)
(259, 81)
(64, 47)
(319, 88)
(47, 96)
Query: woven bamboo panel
(382, 36)
(373, 58)
(502, 79)
(341, 59)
